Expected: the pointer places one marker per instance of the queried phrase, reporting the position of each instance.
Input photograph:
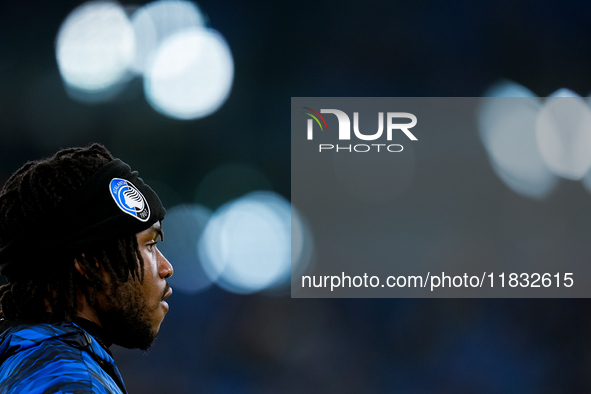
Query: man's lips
(167, 292)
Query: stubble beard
(127, 320)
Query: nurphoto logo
(345, 130)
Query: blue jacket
(55, 358)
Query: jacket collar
(19, 335)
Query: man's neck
(85, 311)
(95, 330)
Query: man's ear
(82, 270)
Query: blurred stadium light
(188, 69)
(190, 75)
(246, 246)
(94, 49)
(564, 93)
(157, 21)
(182, 228)
(564, 135)
(507, 122)
(508, 89)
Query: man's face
(135, 310)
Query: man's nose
(165, 269)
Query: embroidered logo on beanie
(129, 199)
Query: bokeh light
(564, 135)
(190, 75)
(302, 245)
(95, 47)
(508, 89)
(156, 21)
(182, 228)
(507, 124)
(246, 246)
(564, 93)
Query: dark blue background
(217, 342)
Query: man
(78, 235)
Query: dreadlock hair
(36, 188)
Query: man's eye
(152, 246)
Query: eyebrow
(154, 231)
(158, 229)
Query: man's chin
(127, 329)
(128, 320)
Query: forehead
(150, 232)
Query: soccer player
(78, 235)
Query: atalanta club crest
(129, 199)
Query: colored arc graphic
(315, 118)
